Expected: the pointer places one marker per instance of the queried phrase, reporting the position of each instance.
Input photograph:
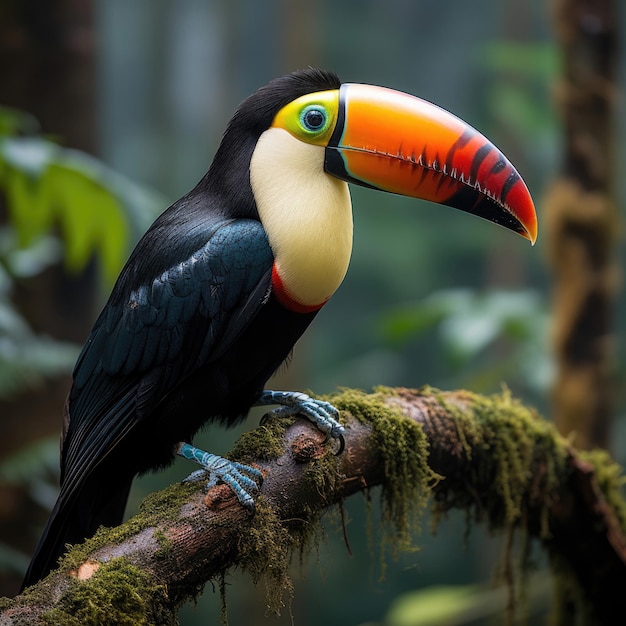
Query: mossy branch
(491, 456)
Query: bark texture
(490, 456)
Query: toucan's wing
(173, 308)
(151, 336)
(200, 304)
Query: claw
(322, 414)
(242, 479)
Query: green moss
(118, 594)
(267, 550)
(264, 552)
(510, 464)
(155, 509)
(264, 443)
(268, 544)
(408, 479)
(515, 460)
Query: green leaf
(90, 217)
(29, 205)
(97, 211)
(14, 121)
(444, 605)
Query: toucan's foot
(242, 479)
(322, 414)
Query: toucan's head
(292, 145)
(389, 140)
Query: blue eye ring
(314, 118)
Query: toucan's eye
(314, 118)
(310, 118)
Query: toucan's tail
(76, 517)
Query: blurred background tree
(583, 222)
(431, 296)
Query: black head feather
(228, 175)
(256, 112)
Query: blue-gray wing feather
(150, 337)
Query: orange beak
(395, 142)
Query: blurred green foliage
(521, 72)
(62, 205)
(472, 324)
(456, 605)
(49, 187)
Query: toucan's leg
(323, 414)
(240, 478)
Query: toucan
(214, 296)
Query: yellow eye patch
(310, 118)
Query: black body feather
(190, 333)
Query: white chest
(306, 213)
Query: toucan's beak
(395, 142)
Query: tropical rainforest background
(113, 109)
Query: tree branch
(490, 456)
